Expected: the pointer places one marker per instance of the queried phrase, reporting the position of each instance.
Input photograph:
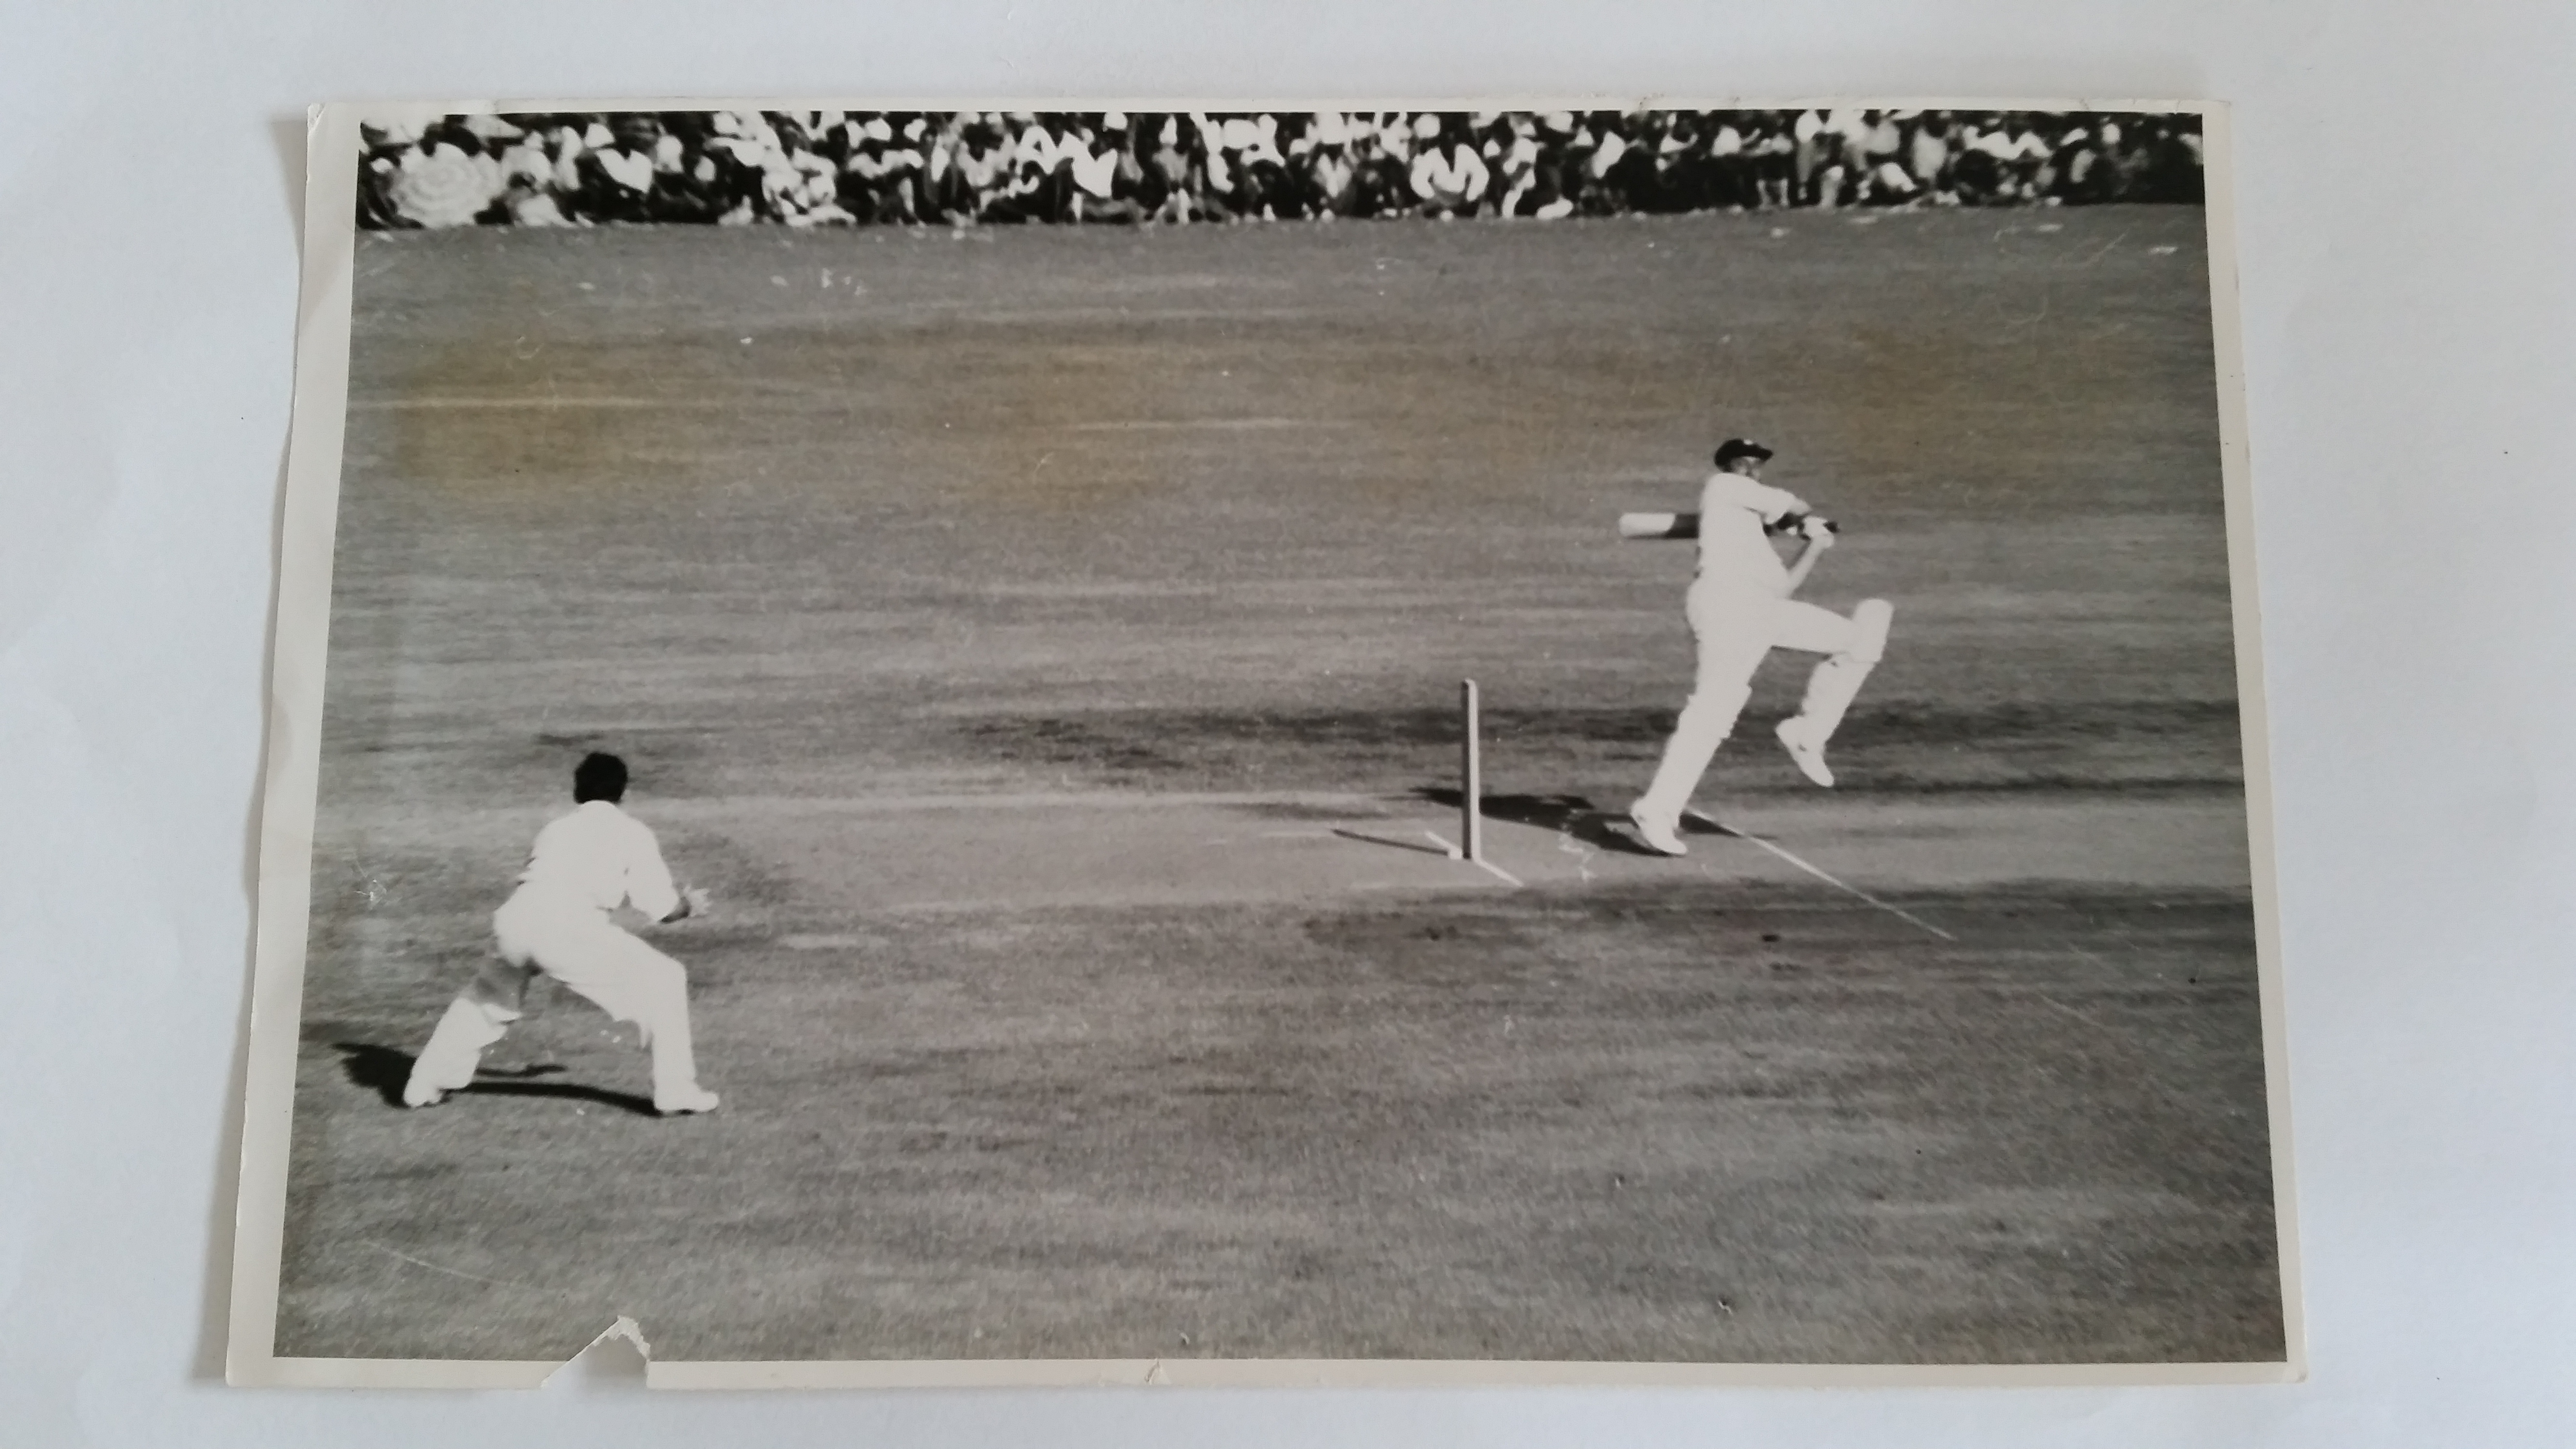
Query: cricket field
(1045, 645)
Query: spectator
(530, 205)
(446, 180)
(1881, 142)
(733, 166)
(380, 153)
(1039, 173)
(1168, 167)
(1447, 173)
(1379, 155)
(1625, 164)
(1516, 164)
(1212, 179)
(976, 169)
(528, 161)
(1679, 185)
(800, 186)
(2173, 163)
(1332, 173)
(1558, 178)
(2028, 154)
(1105, 173)
(1983, 169)
(1773, 156)
(1729, 171)
(1889, 184)
(1808, 132)
(1928, 154)
(1260, 173)
(837, 168)
(878, 177)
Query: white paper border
(301, 647)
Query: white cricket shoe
(1807, 751)
(700, 1100)
(419, 1094)
(1658, 834)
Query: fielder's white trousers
(581, 948)
(1734, 628)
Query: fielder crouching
(583, 866)
(1740, 610)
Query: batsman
(1740, 609)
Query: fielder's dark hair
(599, 777)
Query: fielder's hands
(1818, 532)
(693, 902)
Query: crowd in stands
(845, 168)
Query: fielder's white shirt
(595, 859)
(1734, 552)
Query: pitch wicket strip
(1912, 920)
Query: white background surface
(2404, 199)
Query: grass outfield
(1665, 1123)
(810, 526)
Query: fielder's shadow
(1573, 815)
(383, 1071)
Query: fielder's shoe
(1658, 834)
(700, 1100)
(1807, 751)
(417, 1094)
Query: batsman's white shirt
(1734, 552)
(1740, 610)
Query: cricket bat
(1659, 525)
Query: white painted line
(1360, 808)
(1456, 854)
(1840, 885)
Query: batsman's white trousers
(1734, 627)
(581, 948)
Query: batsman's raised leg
(1852, 648)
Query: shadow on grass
(1573, 815)
(383, 1070)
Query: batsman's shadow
(383, 1071)
(1573, 815)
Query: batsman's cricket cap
(1734, 448)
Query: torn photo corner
(1549, 741)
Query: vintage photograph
(1616, 736)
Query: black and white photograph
(1131, 743)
